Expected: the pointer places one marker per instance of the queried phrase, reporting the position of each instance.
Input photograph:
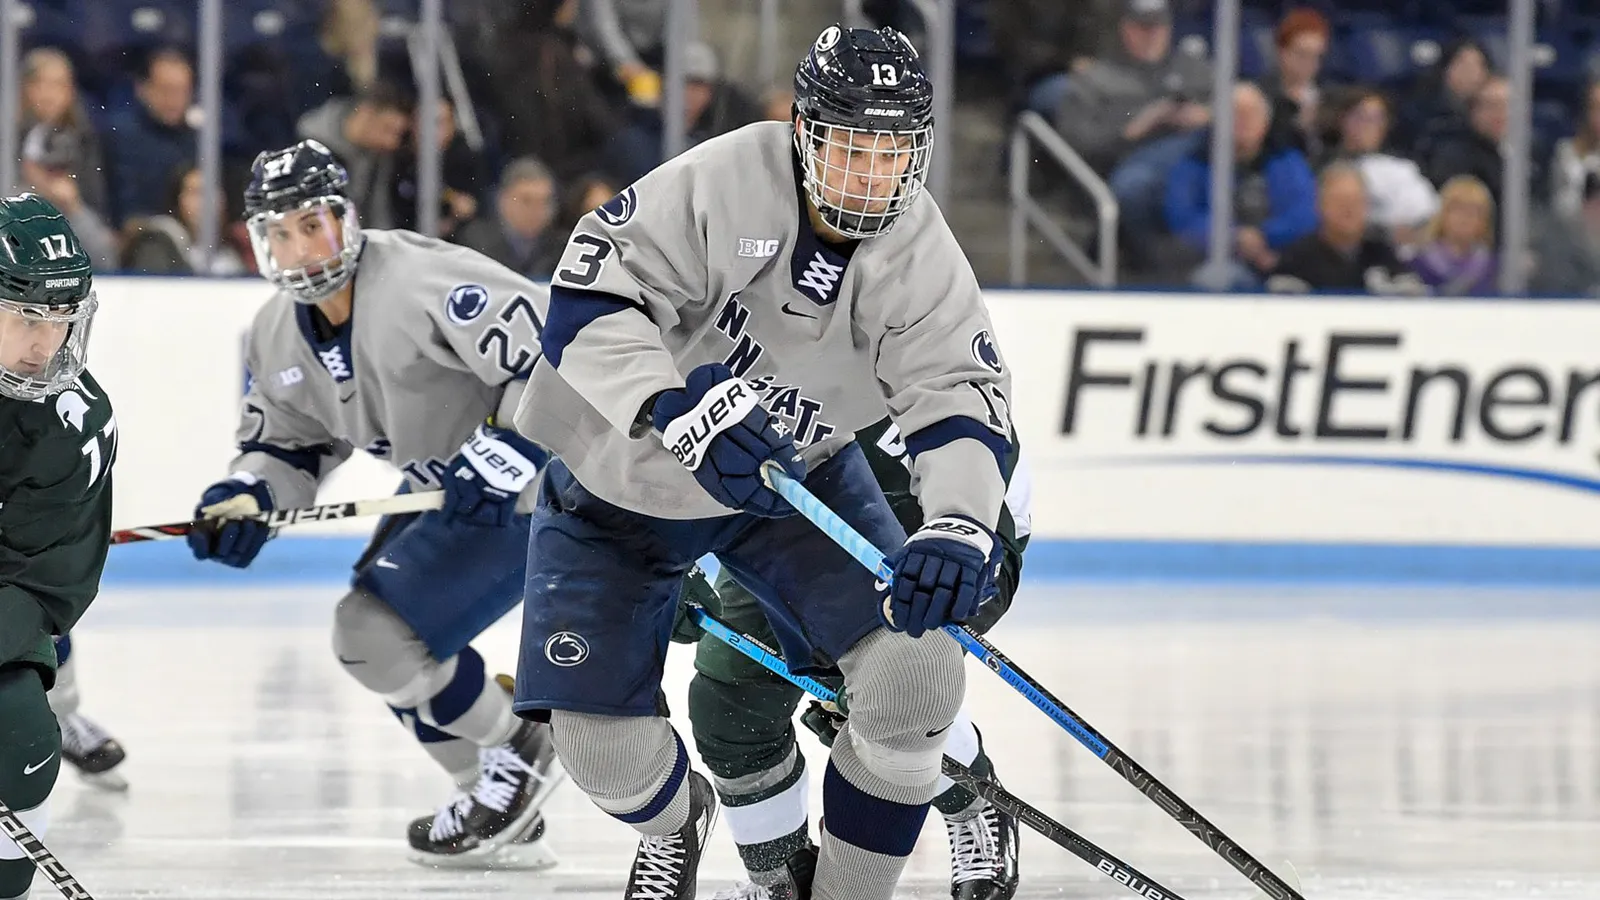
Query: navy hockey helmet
(865, 135)
(302, 224)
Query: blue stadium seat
(50, 24)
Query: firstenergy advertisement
(1313, 419)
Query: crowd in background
(1343, 182)
(566, 94)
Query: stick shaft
(11, 826)
(872, 558)
(999, 797)
(277, 518)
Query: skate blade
(109, 780)
(512, 857)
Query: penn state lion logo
(619, 209)
(566, 649)
(827, 39)
(466, 302)
(71, 409)
(984, 352)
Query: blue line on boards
(324, 560)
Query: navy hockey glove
(718, 430)
(223, 535)
(484, 479)
(941, 575)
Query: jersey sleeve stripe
(955, 428)
(571, 310)
(306, 459)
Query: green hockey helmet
(47, 300)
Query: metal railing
(939, 18)
(1033, 130)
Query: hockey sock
(884, 768)
(634, 768)
(457, 756)
(865, 839)
(30, 758)
(469, 704)
(766, 813)
(965, 746)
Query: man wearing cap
(50, 156)
(711, 107)
(1133, 112)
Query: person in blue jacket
(1274, 194)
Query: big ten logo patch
(758, 248)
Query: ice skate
(95, 754)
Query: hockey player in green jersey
(59, 442)
(742, 716)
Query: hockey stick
(327, 512)
(999, 797)
(11, 826)
(861, 548)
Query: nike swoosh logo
(29, 770)
(353, 662)
(880, 586)
(347, 399)
(796, 312)
(940, 731)
(384, 563)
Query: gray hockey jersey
(712, 258)
(440, 339)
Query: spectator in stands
(628, 35)
(1576, 157)
(777, 104)
(1567, 254)
(152, 137)
(1458, 259)
(165, 244)
(1342, 255)
(1302, 41)
(1274, 195)
(349, 37)
(547, 104)
(1135, 113)
(1039, 42)
(365, 133)
(49, 159)
(50, 98)
(464, 175)
(711, 106)
(1400, 200)
(519, 234)
(584, 195)
(1474, 148)
(1442, 98)
(315, 62)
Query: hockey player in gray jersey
(727, 311)
(415, 351)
